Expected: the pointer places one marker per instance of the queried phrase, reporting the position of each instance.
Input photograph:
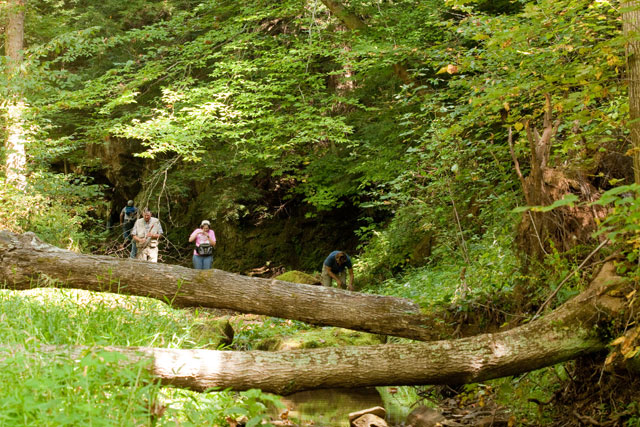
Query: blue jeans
(202, 262)
(128, 240)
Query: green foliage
(246, 93)
(390, 249)
(238, 111)
(54, 206)
(52, 391)
(249, 333)
(253, 406)
(491, 273)
(634, 420)
(400, 401)
(622, 225)
(567, 200)
(521, 393)
(45, 388)
(217, 407)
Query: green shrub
(393, 247)
(58, 208)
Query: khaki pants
(148, 254)
(326, 279)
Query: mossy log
(568, 332)
(27, 262)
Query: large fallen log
(568, 332)
(27, 262)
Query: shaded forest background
(483, 144)
(297, 131)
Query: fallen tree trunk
(567, 333)
(26, 262)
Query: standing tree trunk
(352, 21)
(15, 144)
(631, 28)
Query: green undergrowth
(527, 394)
(491, 268)
(400, 401)
(252, 329)
(41, 387)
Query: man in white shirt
(146, 232)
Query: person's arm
(332, 275)
(212, 237)
(351, 279)
(158, 229)
(134, 233)
(121, 217)
(194, 234)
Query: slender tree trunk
(565, 334)
(631, 28)
(351, 20)
(27, 262)
(15, 35)
(16, 157)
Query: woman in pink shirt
(205, 240)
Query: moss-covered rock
(270, 344)
(213, 333)
(331, 337)
(296, 276)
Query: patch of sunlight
(83, 297)
(192, 363)
(499, 350)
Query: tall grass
(39, 388)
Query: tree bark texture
(16, 156)
(27, 262)
(566, 333)
(631, 28)
(15, 34)
(351, 20)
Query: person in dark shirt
(335, 267)
(128, 217)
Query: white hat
(205, 222)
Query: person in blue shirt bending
(334, 268)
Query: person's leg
(198, 262)
(134, 249)
(325, 278)
(206, 262)
(128, 239)
(343, 278)
(153, 254)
